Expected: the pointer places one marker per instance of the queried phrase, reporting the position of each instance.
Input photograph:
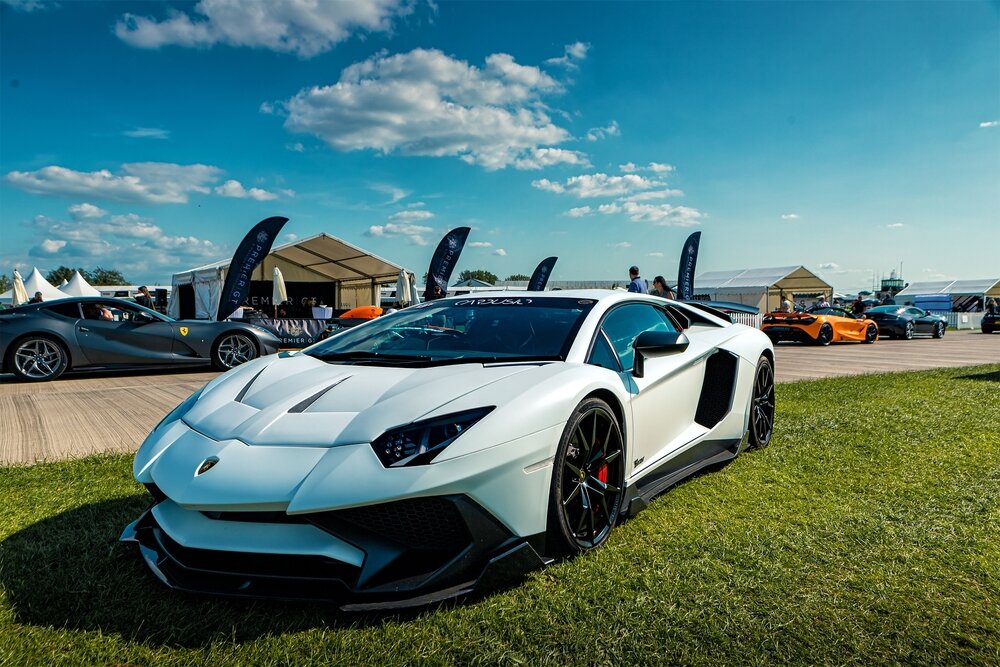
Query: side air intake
(717, 391)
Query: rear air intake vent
(302, 406)
(717, 390)
(243, 392)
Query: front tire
(38, 359)
(233, 349)
(762, 406)
(908, 331)
(588, 480)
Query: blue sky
(845, 137)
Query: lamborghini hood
(302, 401)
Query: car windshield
(480, 329)
(885, 309)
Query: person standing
(823, 303)
(661, 288)
(637, 284)
(144, 298)
(858, 307)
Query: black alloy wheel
(908, 331)
(762, 406)
(939, 330)
(871, 334)
(588, 480)
(825, 335)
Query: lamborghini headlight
(418, 443)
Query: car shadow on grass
(993, 376)
(69, 571)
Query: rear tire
(37, 359)
(939, 330)
(233, 349)
(871, 334)
(825, 335)
(588, 480)
(762, 406)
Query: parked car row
(829, 324)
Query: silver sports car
(41, 341)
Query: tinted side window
(916, 312)
(71, 310)
(624, 325)
(602, 354)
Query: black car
(907, 321)
(41, 341)
(991, 322)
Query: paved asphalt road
(87, 414)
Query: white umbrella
(20, 294)
(403, 288)
(278, 293)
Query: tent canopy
(317, 259)
(77, 286)
(989, 287)
(761, 288)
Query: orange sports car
(821, 326)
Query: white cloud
(537, 158)
(655, 194)
(144, 182)
(395, 193)
(85, 210)
(480, 244)
(501, 252)
(655, 254)
(303, 27)
(295, 147)
(427, 103)
(660, 214)
(410, 215)
(28, 5)
(572, 53)
(50, 247)
(655, 167)
(599, 185)
(660, 168)
(628, 168)
(134, 242)
(895, 225)
(790, 216)
(828, 266)
(234, 189)
(598, 133)
(147, 133)
(990, 123)
(621, 244)
(289, 237)
(578, 212)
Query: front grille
(417, 523)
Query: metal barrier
(748, 319)
(964, 320)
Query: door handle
(85, 329)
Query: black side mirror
(656, 343)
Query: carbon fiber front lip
(490, 561)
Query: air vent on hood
(303, 405)
(243, 392)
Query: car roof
(596, 294)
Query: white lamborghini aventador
(445, 447)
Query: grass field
(868, 533)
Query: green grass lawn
(868, 533)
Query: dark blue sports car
(907, 321)
(40, 341)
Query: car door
(133, 337)
(664, 400)
(922, 320)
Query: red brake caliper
(602, 473)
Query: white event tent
(78, 286)
(36, 283)
(762, 288)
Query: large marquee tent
(78, 286)
(966, 295)
(355, 274)
(762, 288)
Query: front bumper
(389, 555)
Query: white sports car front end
(446, 447)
